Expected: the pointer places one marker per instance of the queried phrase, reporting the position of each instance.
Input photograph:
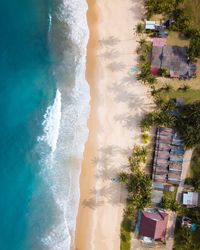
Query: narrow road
(186, 164)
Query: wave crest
(51, 123)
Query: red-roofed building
(153, 224)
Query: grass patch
(193, 177)
(195, 164)
(174, 38)
(169, 201)
(127, 226)
(189, 96)
(192, 10)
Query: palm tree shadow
(112, 54)
(116, 67)
(92, 203)
(129, 121)
(110, 41)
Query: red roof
(154, 71)
(159, 42)
(153, 225)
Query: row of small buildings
(168, 158)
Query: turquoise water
(26, 89)
(41, 150)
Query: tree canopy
(161, 7)
(188, 124)
(137, 182)
(186, 120)
(194, 48)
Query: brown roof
(175, 166)
(153, 224)
(172, 58)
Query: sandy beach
(118, 103)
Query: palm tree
(186, 87)
(139, 28)
(142, 42)
(168, 88)
(151, 79)
(123, 177)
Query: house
(174, 177)
(150, 25)
(153, 224)
(191, 199)
(176, 167)
(173, 59)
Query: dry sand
(118, 102)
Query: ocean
(44, 107)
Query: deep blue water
(26, 89)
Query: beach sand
(118, 103)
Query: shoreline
(90, 146)
(116, 106)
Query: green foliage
(123, 177)
(160, 118)
(139, 188)
(145, 75)
(139, 28)
(139, 193)
(194, 48)
(168, 88)
(160, 7)
(181, 23)
(194, 180)
(188, 124)
(127, 226)
(162, 72)
(138, 156)
(185, 119)
(184, 88)
(191, 9)
(144, 50)
(145, 137)
(169, 201)
(184, 238)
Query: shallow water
(44, 104)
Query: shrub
(139, 28)
(194, 48)
(162, 72)
(145, 137)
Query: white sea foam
(51, 123)
(50, 21)
(65, 132)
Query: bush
(160, 7)
(145, 137)
(194, 48)
(139, 28)
(184, 88)
(123, 177)
(169, 201)
(127, 226)
(181, 22)
(162, 72)
(188, 124)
